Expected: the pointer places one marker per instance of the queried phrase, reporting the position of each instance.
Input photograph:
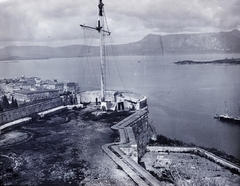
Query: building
(71, 87)
(54, 86)
(30, 96)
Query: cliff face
(228, 42)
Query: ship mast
(101, 31)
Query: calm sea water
(183, 99)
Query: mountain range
(221, 42)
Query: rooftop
(34, 92)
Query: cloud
(129, 20)
(40, 20)
(171, 16)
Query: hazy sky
(56, 22)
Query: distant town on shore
(15, 92)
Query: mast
(102, 54)
(101, 31)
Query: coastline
(231, 61)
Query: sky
(56, 22)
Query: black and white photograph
(119, 93)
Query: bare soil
(64, 149)
(188, 169)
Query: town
(16, 92)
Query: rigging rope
(87, 50)
(114, 54)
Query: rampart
(28, 110)
(137, 132)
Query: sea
(182, 99)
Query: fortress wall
(137, 132)
(24, 111)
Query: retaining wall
(24, 111)
(197, 151)
(137, 132)
(134, 137)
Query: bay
(182, 99)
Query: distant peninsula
(220, 61)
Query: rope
(87, 49)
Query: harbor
(104, 121)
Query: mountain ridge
(151, 44)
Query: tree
(5, 102)
(1, 109)
(15, 103)
(12, 104)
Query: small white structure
(115, 100)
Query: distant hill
(43, 52)
(228, 42)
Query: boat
(110, 100)
(226, 118)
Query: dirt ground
(188, 169)
(64, 149)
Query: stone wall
(141, 130)
(137, 132)
(24, 111)
(91, 96)
(197, 151)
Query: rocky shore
(64, 149)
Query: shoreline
(231, 61)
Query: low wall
(197, 151)
(24, 111)
(11, 125)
